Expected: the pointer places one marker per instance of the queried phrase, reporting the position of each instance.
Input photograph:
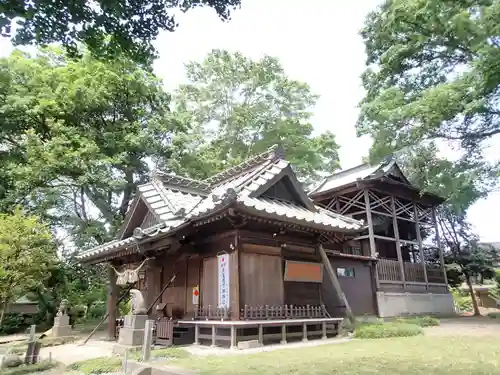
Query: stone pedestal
(61, 326)
(132, 333)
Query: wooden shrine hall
(257, 258)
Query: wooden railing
(164, 329)
(212, 313)
(282, 312)
(389, 270)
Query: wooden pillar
(111, 303)
(233, 337)
(398, 242)
(323, 330)
(261, 334)
(235, 285)
(420, 247)
(283, 334)
(438, 241)
(150, 284)
(214, 332)
(197, 334)
(371, 234)
(304, 332)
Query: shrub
(494, 315)
(462, 302)
(30, 369)
(15, 323)
(421, 321)
(100, 365)
(385, 330)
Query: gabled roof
(177, 201)
(344, 178)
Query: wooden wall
(261, 280)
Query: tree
(108, 28)
(463, 250)
(432, 73)
(238, 107)
(77, 136)
(27, 250)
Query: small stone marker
(249, 344)
(148, 340)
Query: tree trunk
(472, 296)
(2, 312)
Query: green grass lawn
(409, 355)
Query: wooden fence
(390, 270)
(282, 312)
(212, 313)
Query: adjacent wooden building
(255, 256)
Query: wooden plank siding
(261, 280)
(192, 280)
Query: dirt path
(71, 353)
(466, 326)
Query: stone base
(131, 337)
(132, 333)
(61, 331)
(61, 326)
(61, 320)
(250, 344)
(398, 304)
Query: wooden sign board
(303, 272)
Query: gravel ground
(466, 326)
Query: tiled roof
(274, 152)
(110, 247)
(351, 175)
(178, 200)
(321, 219)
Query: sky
(318, 42)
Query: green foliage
(385, 330)
(164, 353)
(432, 73)
(239, 107)
(30, 369)
(79, 135)
(27, 250)
(421, 321)
(107, 27)
(463, 303)
(100, 365)
(16, 323)
(494, 315)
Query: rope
(129, 276)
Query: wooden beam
(111, 302)
(398, 242)
(336, 285)
(373, 247)
(438, 240)
(420, 247)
